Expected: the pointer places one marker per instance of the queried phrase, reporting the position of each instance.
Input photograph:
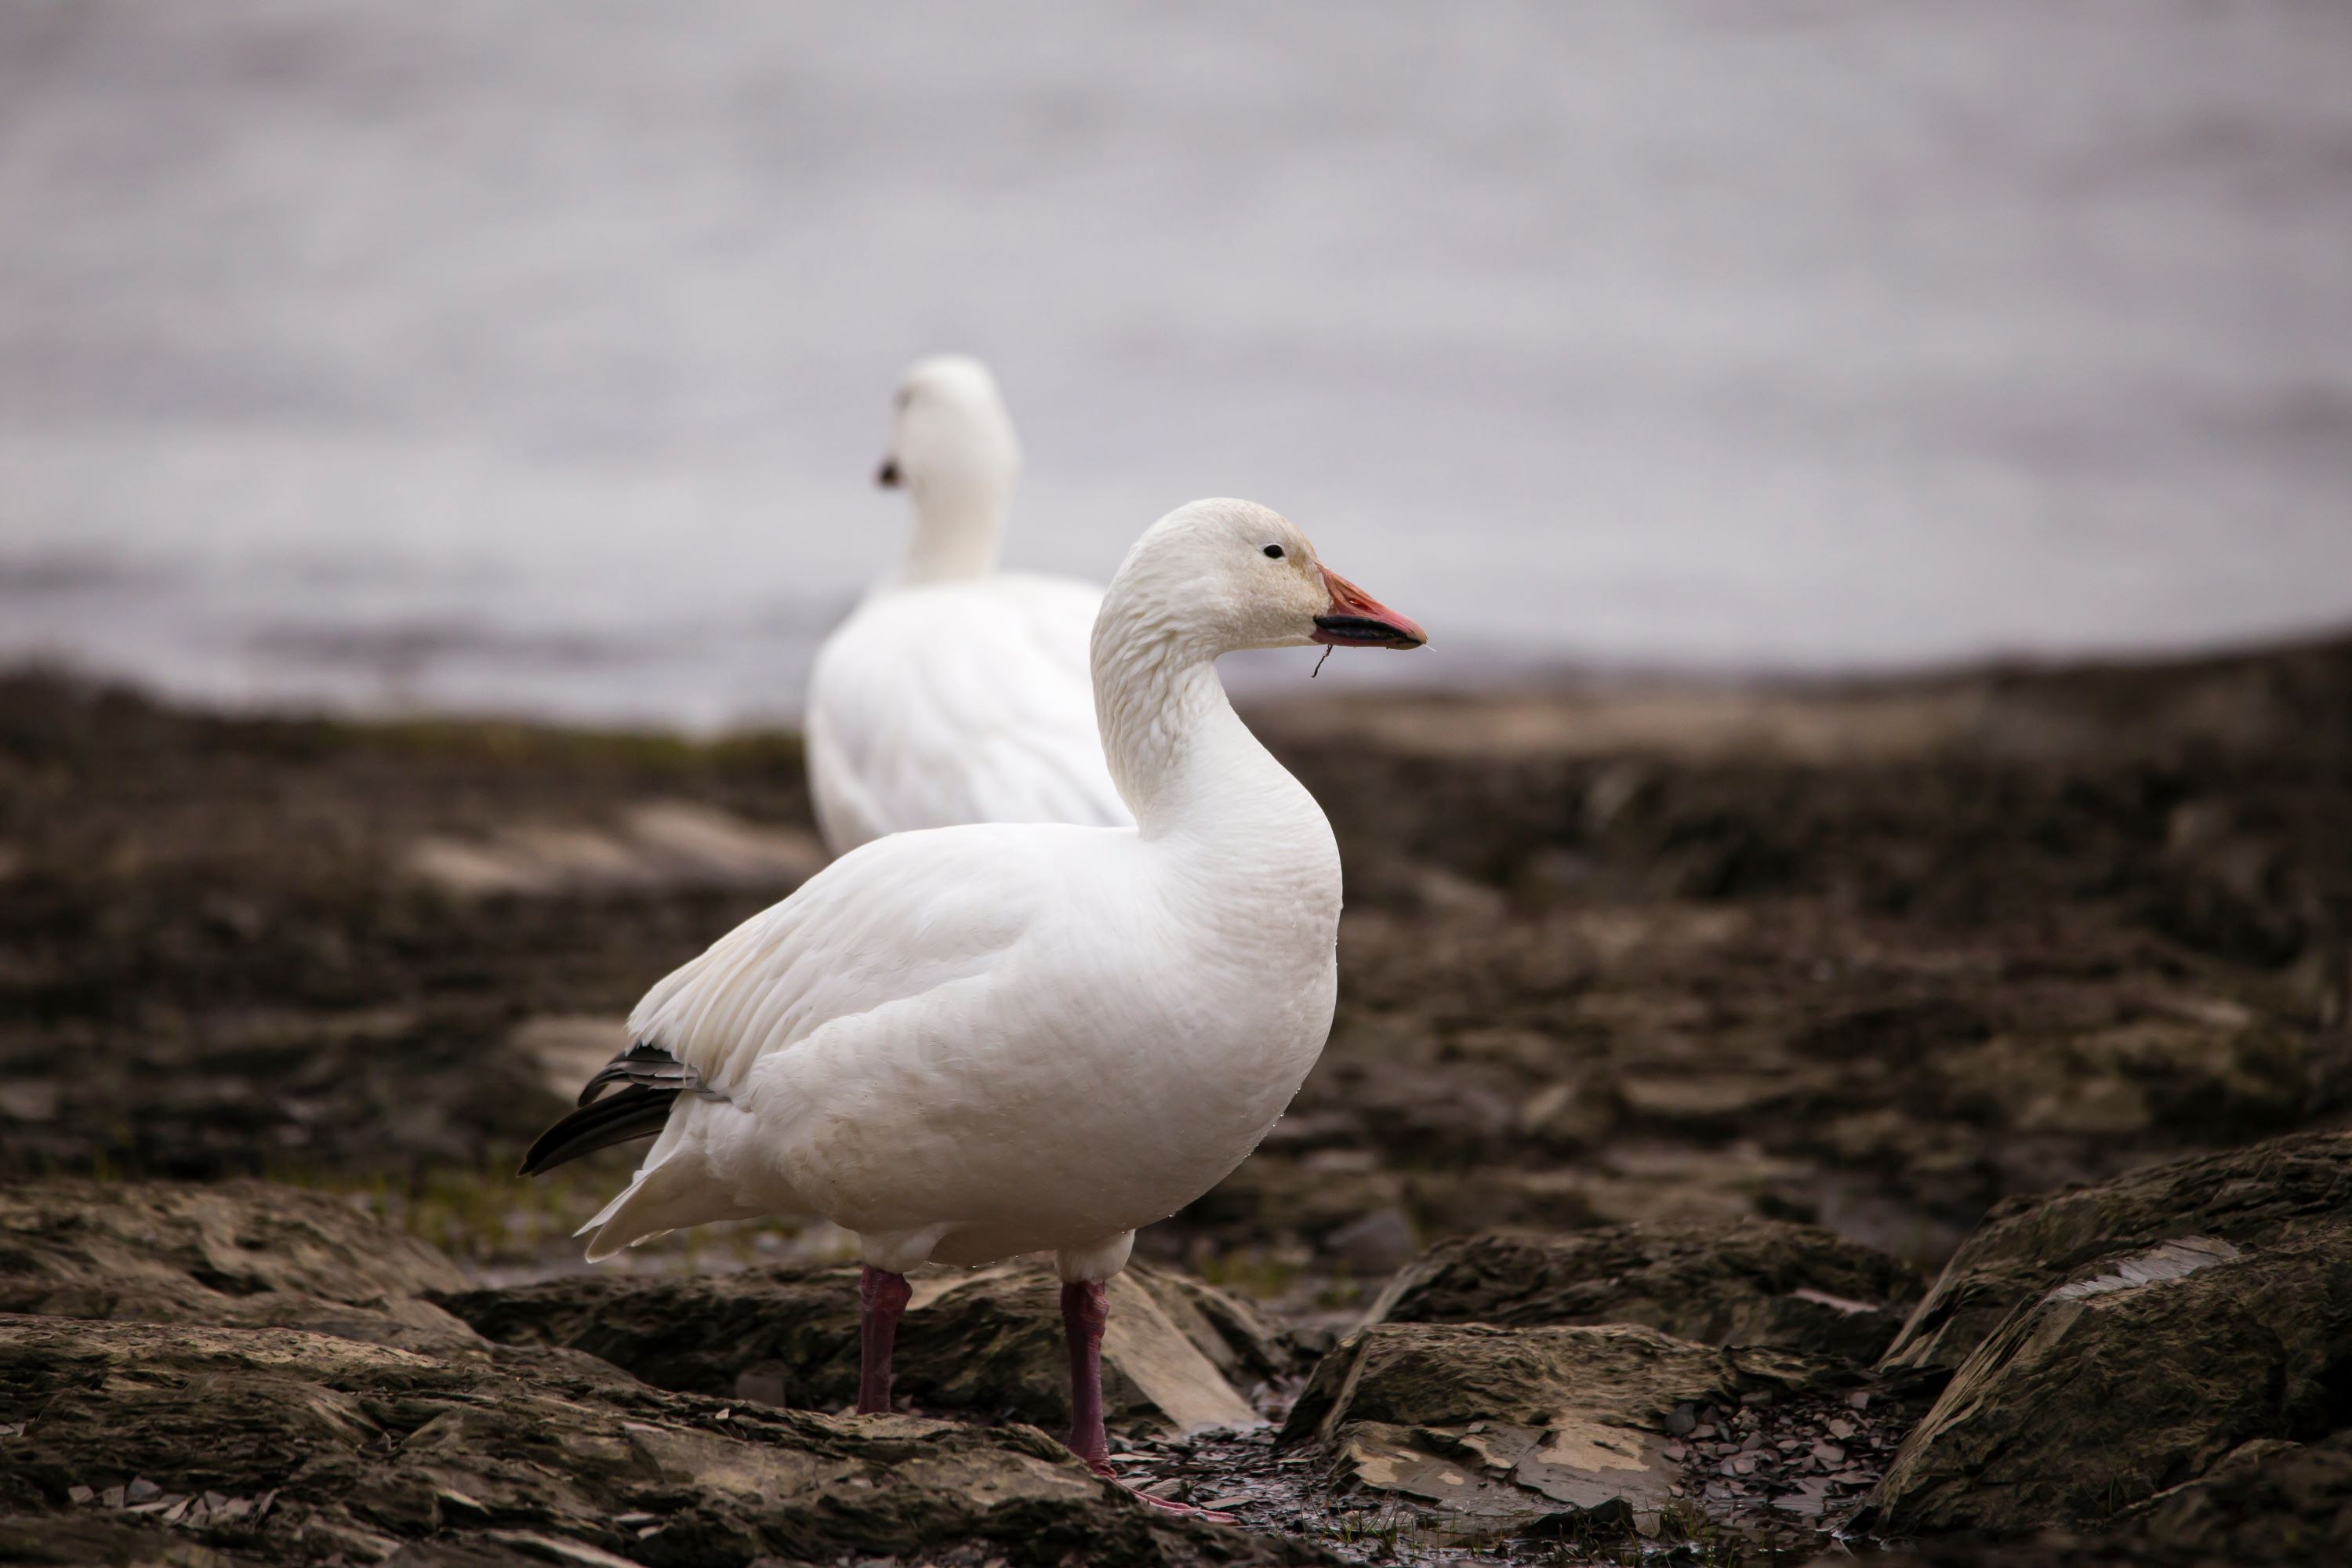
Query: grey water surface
(536, 357)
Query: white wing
(958, 702)
(900, 937)
(886, 923)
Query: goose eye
(1274, 552)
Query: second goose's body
(957, 692)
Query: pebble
(1840, 1427)
(140, 1490)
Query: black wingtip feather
(634, 1112)
(644, 1064)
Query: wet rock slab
(1177, 1355)
(1508, 1426)
(85, 1247)
(2275, 1504)
(2154, 1326)
(251, 1374)
(2030, 1244)
(2268, 1501)
(1754, 1283)
(331, 1447)
(250, 1254)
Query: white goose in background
(979, 1041)
(956, 692)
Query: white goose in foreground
(956, 692)
(979, 1041)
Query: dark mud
(1702, 963)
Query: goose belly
(1043, 1138)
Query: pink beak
(1356, 619)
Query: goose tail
(675, 1187)
(667, 1195)
(651, 1080)
(636, 1111)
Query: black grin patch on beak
(1363, 631)
(887, 477)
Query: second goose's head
(953, 449)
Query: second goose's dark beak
(888, 478)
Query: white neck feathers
(1183, 759)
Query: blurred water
(537, 356)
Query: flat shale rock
(277, 1446)
(2248, 1197)
(2179, 1314)
(2276, 1504)
(2268, 1503)
(1177, 1355)
(1505, 1426)
(250, 1254)
(49, 1541)
(94, 1246)
(1751, 1282)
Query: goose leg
(1085, 1310)
(881, 1296)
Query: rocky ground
(1677, 1185)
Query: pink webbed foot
(1165, 1505)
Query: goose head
(1220, 576)
(953, 451)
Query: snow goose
(978, 1041)
(956, 692)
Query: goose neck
(1183, 759)
(958, 532)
